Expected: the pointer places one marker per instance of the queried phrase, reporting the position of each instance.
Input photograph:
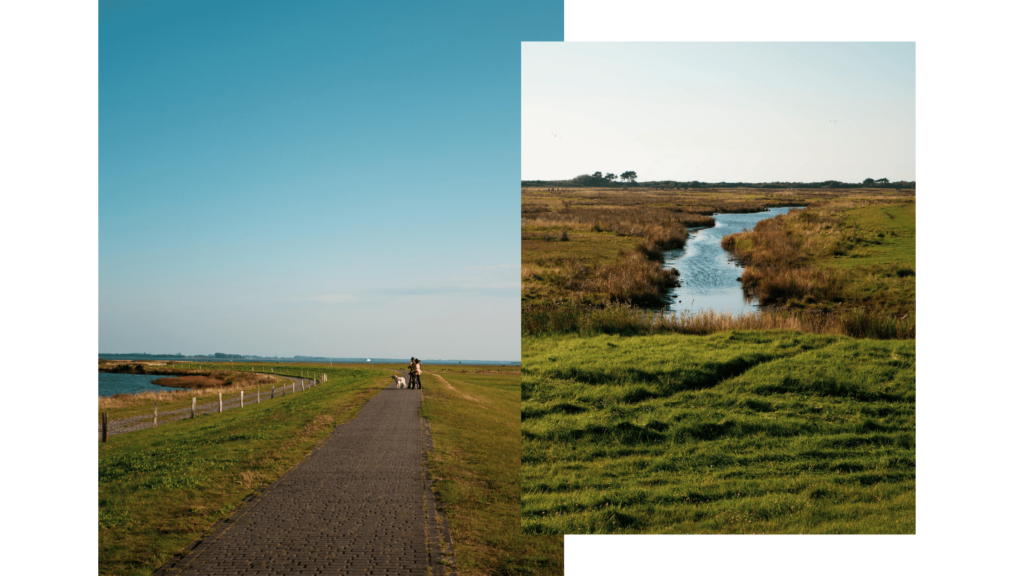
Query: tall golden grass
(635, 279)
(658, 227)
(577, 317)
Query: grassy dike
(734, 432)
(474, 418)
(161, 488)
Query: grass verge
(736, 432)
(474, 418)
(161, 488)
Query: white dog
(400, 380)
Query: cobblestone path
(360, 504)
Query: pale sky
(318, 178)
(719, 111)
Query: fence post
(193, 406)
(257, 394)
(104, 426)
(293, 387)
(220, 397)
(271, 391)
(303, 384)
(154, 414)
(241, 399)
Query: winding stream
(708, 274)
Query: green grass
(476, 464)
(882, 235)
(735, 432)
(161, 488)
(879, 270)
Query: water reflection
(709, 274)
(114, 383)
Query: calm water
(707, 272)
(111, 383)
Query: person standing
(412, 372)
(419, 374)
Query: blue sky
(720, 111)
(322, 178)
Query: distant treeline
(599, 180)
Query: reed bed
(635, 277)
(585, 319)
(656, 226)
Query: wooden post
(220, 396)
(154, 414)
(257, 394)
(241, 399)
(271, 391)
(104, 426)
(303, 384)
(293, 387)
(193, 406)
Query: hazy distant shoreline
(295, 359)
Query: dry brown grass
(568, 317)
(189, 382)
(657, 227)
(320, 423)
(635, 279)
(249, 478)
(636, 276)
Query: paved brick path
(360, 504)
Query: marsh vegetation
(844, 264)
(799, 418)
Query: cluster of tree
(629, 178)
(222, 355)
(599, 179)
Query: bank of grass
(184, 382)
(474, 418)
(735, 432)
(161, 488)
(857, 254)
